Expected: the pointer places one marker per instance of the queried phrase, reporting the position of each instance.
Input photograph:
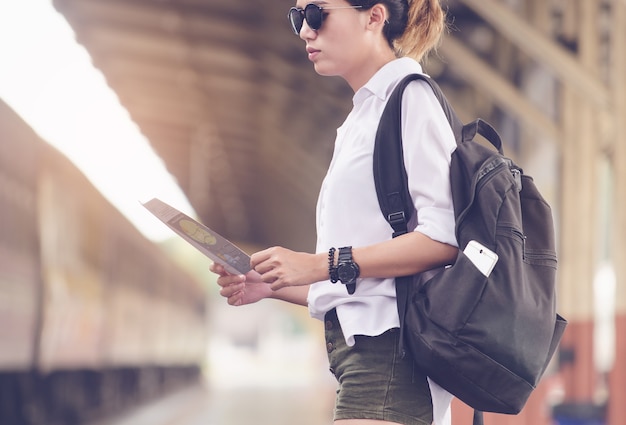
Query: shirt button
(329, 325)
(330, 347)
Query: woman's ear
(378, 15)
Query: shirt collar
(382, 83)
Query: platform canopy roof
(224, 92)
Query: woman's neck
(370, 67)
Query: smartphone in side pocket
(482, 257)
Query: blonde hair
(424, 29)
(413, 28)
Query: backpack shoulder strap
(390, 175)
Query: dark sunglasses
(314, 15)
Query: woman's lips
(312, 52)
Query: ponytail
(414, 27)
(424, 28)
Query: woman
(371, 45)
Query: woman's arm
(405, 255)
(292, 294)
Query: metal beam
(482, 75)
(542, 49)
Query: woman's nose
(306, 32)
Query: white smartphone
(482, 257)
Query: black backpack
(486, 340)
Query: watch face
(347, 272)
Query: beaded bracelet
(332, 269)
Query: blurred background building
(98, 316)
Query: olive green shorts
(374, 381)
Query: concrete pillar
(617, 380)
(578, 227)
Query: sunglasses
(314, 15)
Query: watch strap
(351, 287)
(345, 256)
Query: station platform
(204, 405)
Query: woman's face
(340, 47)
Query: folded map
(208, 242)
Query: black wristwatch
(347, 270)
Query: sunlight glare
(50, 81)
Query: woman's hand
(241, 289)
(281, 267)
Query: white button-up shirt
(348, 213)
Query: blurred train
(93, 317)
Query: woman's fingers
(235, 298)
(216, 268)
(231, 283)
(232, 289)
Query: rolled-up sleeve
(428, 142)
